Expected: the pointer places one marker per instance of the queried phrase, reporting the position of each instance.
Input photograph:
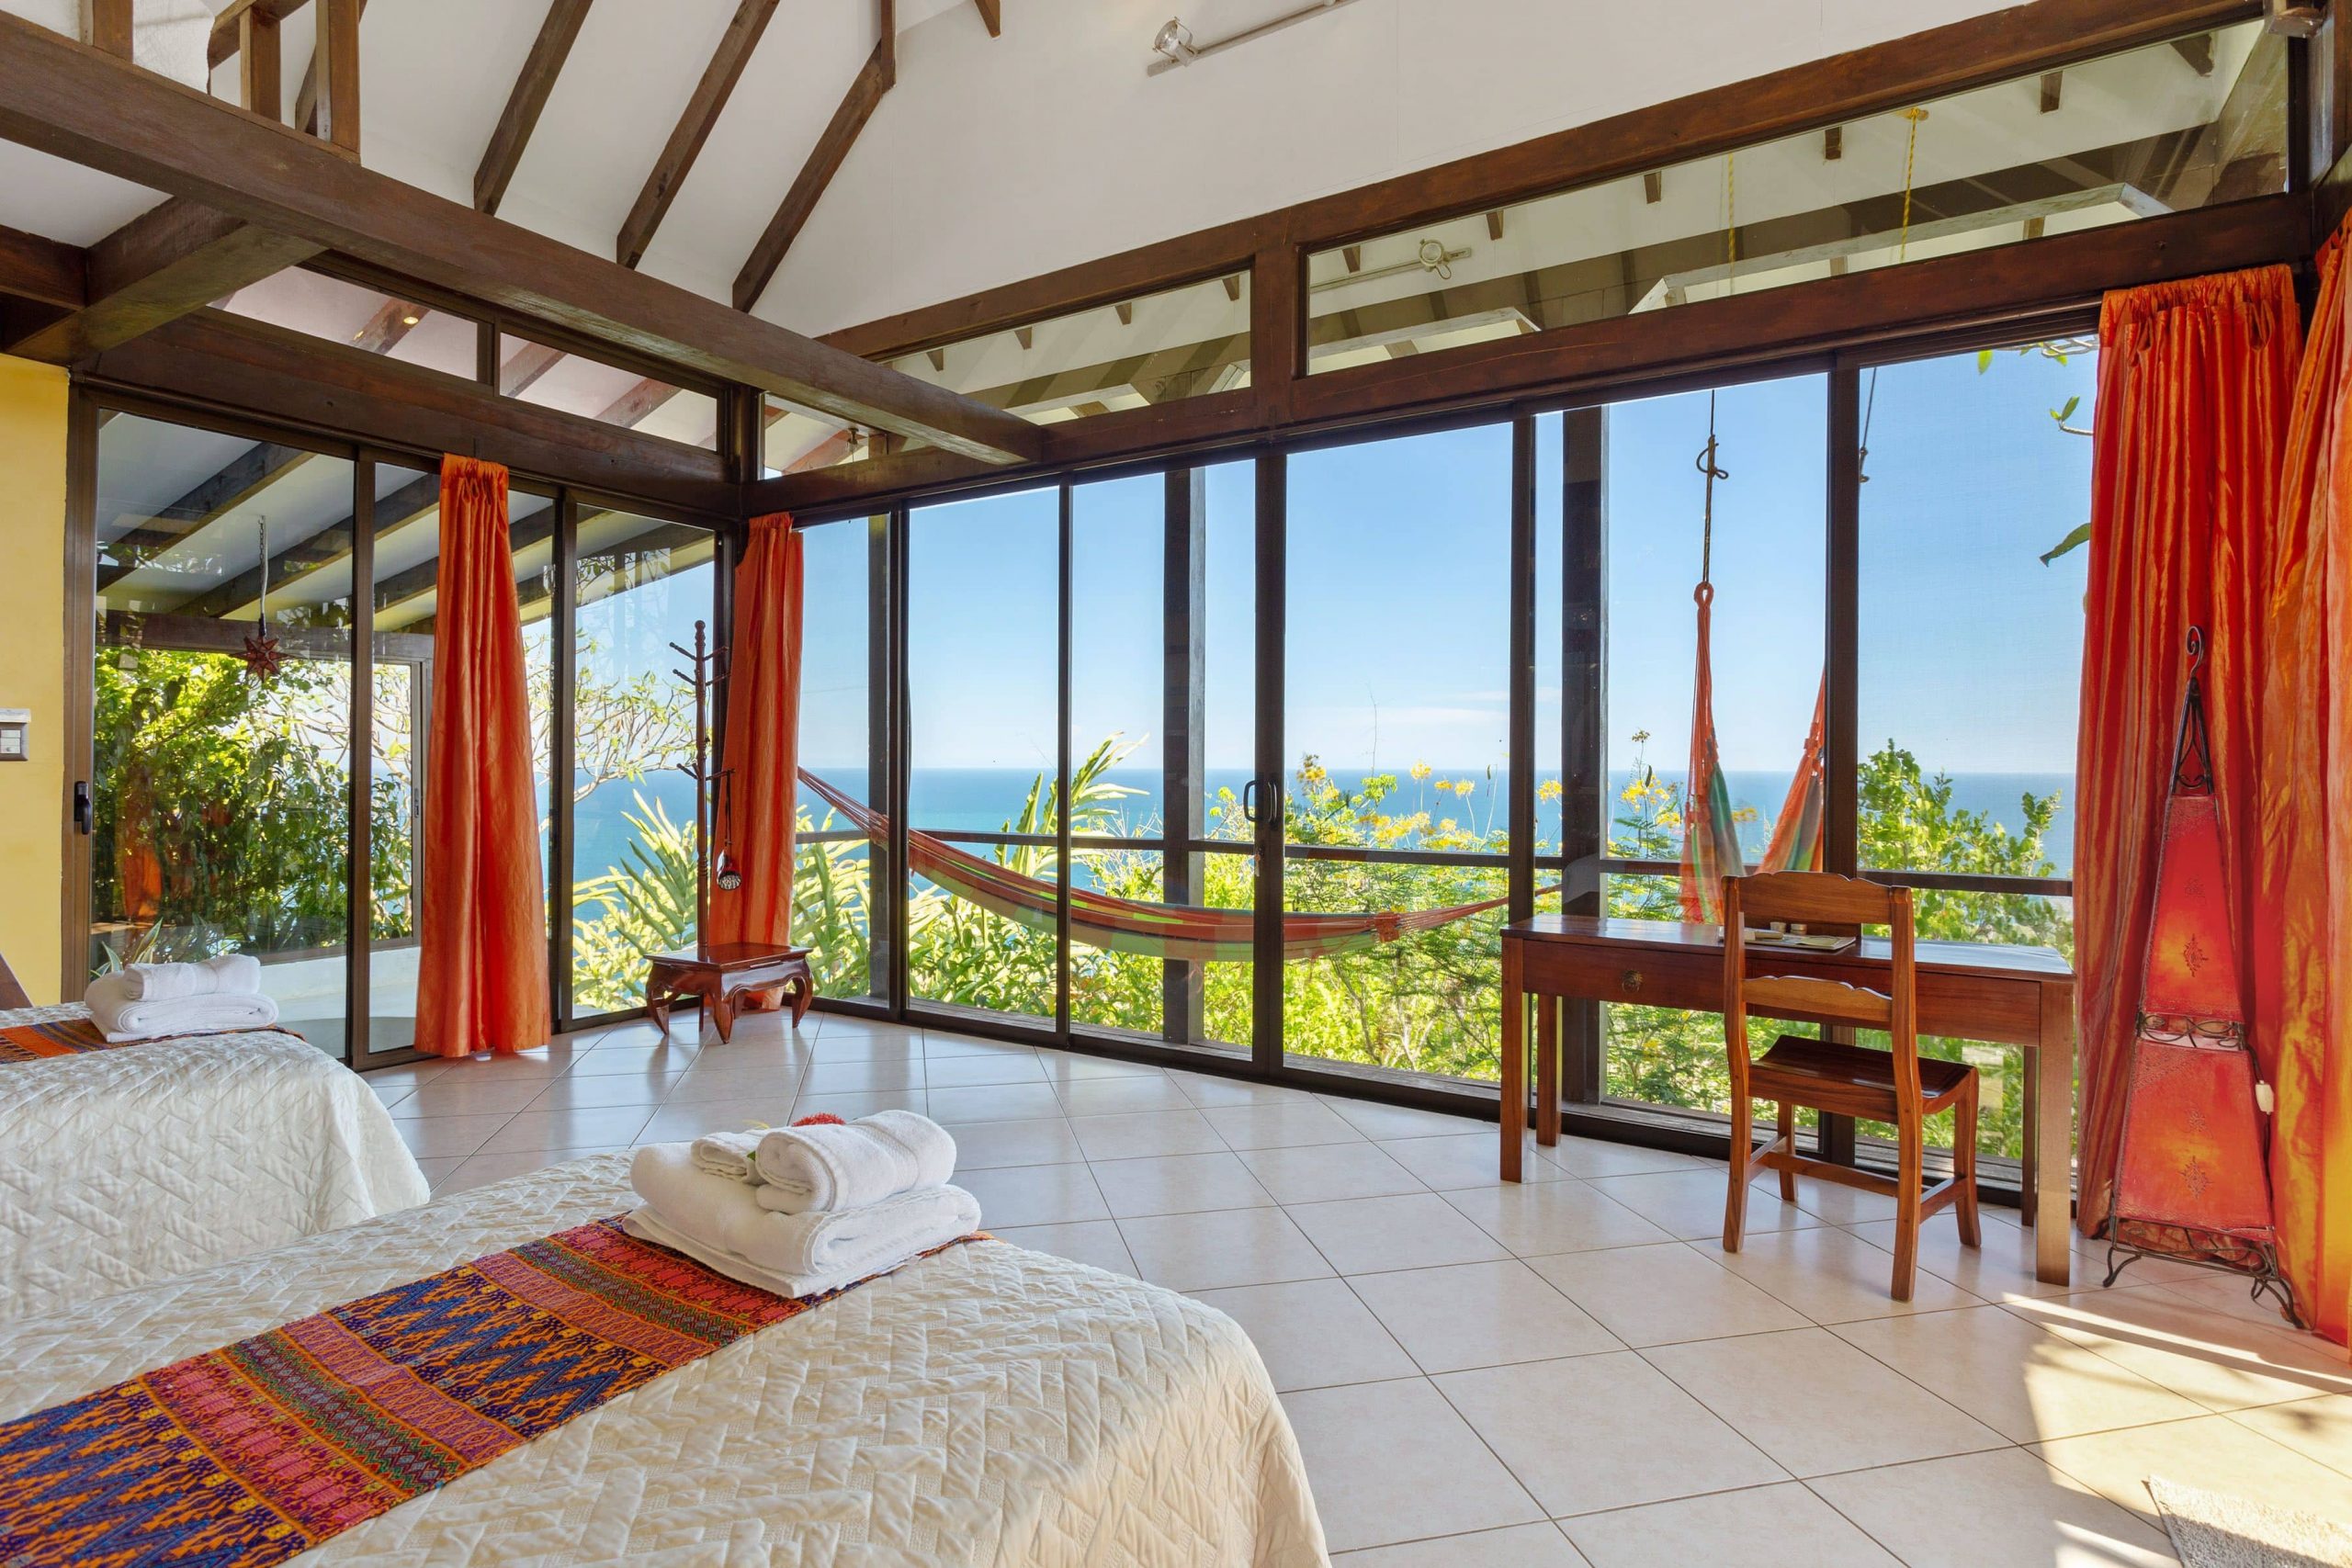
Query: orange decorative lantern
(2191, 1182)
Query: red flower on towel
(822, 1119)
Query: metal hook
(2196, 650)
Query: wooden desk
(2010, 996)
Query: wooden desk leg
(2053, 1135)
(1514, 1047)
(2029, 1158)
(1547, 1069)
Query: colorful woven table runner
(244, 1456)
(72, 1036)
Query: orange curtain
(762, 737)
(2195, 382)
(483, 960)
(2302, 1016)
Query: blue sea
(984, 799)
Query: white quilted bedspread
(985, 1405)
(121, 1167)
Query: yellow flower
(1421, 770)
(1548, 790)
(1669, 820)
(1632, 794)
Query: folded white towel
(807, 1170)
(120, 1018)
(722, 1214)
(648, 1224)
(232, 972)
(730, 1154)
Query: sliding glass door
(265, 618)
(1396, 760)
(218, 816)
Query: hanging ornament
(726, 873)
(263, 656)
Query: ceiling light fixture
(1173, 45)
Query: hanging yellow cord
(1901, 251)
(1910, 161)
(1731, 223)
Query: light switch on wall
(15, 723)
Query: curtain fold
(2302, 1016)
(762, 737)
(482, 910)
(2195, 383)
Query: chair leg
(1787, 1134)
(1735, 1200)
(1964, 1166)
(1907, 1212)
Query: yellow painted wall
(32, 667)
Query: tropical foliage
(1427, 1002)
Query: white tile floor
(1570, 1371)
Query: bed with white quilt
(133, 1163)
(981, 1404)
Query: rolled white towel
(232, 972)
(814, 1170)
(722, 1214)
(648, 1224)
(731, 1154)
(121, 1019)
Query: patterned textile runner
(247, 1455)
(72, 1036)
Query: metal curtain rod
(1174, 46)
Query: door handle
(1249, 801)
(83, 811)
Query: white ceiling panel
(629, 76)
(806, 61)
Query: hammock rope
(1710, 823)
(1179, 932)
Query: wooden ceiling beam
(525, 104)
(166, 262)
(991, 16)
(280, 375)
(106, 24)
(51, 271)
(229, 21)
(394, 320)
(72, 101)
(306, 99)
(694, 126)
(873, 79)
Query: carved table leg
(722, 1013)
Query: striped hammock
(1180, 931)
(1710, 835)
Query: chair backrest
(1819, 898)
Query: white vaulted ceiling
(992, 159)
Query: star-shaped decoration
(264, 658)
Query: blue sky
(1398, 597)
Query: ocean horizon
(984, 799)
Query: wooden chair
(1896, 1086)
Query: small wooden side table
(728, 978)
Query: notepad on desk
(1810, 941)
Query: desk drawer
(1693, 982)
(1961, 1006)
